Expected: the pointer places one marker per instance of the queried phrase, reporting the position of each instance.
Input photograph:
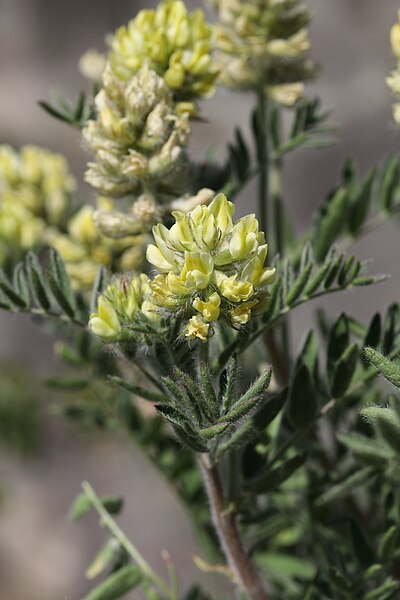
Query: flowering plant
(286, 458)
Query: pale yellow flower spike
(210, 268)
(393, 81)
(176, 44)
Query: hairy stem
(226, 528)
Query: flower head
(210, 267)
(138, 137)
(84, 249)
(118, 306)
(264, 43)
(174, 43)
(36, 179)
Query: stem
(262, 156)
(225, 525)
(119, 535)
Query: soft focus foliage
(35, 191)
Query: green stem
(262, 156)
(119, 535)
(279, 231)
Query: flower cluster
(84, 249)
(35, 190)
(118, 305)
(138, 137)
(264, 43)
(172, 42)
(210, 267)
(393, 81)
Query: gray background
(42, 557)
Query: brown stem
(225, 525)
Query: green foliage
(346, 211)
(75, 114)
(116, 585)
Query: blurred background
(42, 556)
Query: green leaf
(361, 203)
(241, 408)
(344, 371)
(181, 399)
(272, 478)
(67, 383)
(51, 110)
(336, 265)
(365, 449)
(61, 278)
(330, 224)
(308, 354)
(103, 558)
(59, 296)
(317, 279)
(303, 399)
(386, 367)
(387, 422)
(388, 544)
(339, 339)
(14, 297)
(373, 335)
(36, 280)
(213, 431)
(384, 592)
(117, 585)
(194, 392)
(347, 486)
(299, 285)
(273, 300)
(258, 387)
(21, 283)
(82, 505)
(208, 389)
(256, 423)
(389, 183)
(137, 390)
(390, 328)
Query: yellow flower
(210, 309)
(119, 305)
(210, 264)
(197, 328)
(84, 249)
(395, 39)
(38, 180)
(174, 43)
(105, 323)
